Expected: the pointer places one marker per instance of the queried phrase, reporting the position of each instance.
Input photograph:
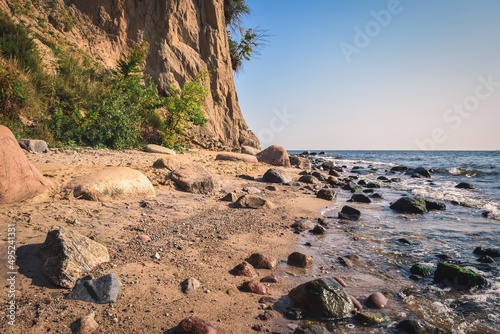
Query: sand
(194, 235)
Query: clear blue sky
(346, 74)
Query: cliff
(185, 37)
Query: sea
(390, 243)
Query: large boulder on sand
(67, 256)
(19, 180)
(194, 178)
(276, 175)
(274, 155)
(152, 148)
(229, 156)
(33, 145)
(112, 184)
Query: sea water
(471, 219)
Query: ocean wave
(457, 171)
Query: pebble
(254, 286)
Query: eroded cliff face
(185, 37)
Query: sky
(374, 75)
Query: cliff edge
(185, 37)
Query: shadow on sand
(30, 265)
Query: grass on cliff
(85, 104)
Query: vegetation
(84, 104)
(243, 43)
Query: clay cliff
(185, 37)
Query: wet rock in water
(33, 145)
(300, 260)
(300, 162)
(274, 155)
(434, 205)
(189, 285)
(302, 225)
(408, 204)
(400, 169)
(411, 326)
(262, 261)
(383, 178)
(493, 252)
(254, 286)
(195, 325)
(353, 187)
(112, 184)
(102, 290)
(458, 277)
(67, 256)
(356, 303)
(360, 198)
(368, 191)
(308, 179)
(323, 298)
(396, 179)
(269, 279)
(276, 175)
(84, 325)
(19, 179)
(230, 156)
(362, 183)
(376, 195)
(421, 172)
(229, 197)
(373, 185)
(318, 175)
(310, 329)
(376, 300)
(485, 259)
(327, 194)
(421, 270)
(404, 241)
(243, 269)
(349, 213)
(371, 318)
(194, 178)
(318, 230)
(465, 185)
(152, 148)
(253, 202)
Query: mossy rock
(421, 270)
(458, 277)
(371, 318)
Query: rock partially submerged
(300, 260)
(102, 290)
(349, 213)
(67, 256)
(458, 277)
(408, 204)
(19, 180)
(112, 184)
(323, 298)
(194, 178)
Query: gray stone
(276, 175)
(327, 194)
(229, 197)
(189, 285)
(249, 150)
(253, 202)
(323, 298)
(349, 213)
(33, 145)
(194, 178)
(408, 204)
(361, 198)
(102, 290)
(229, 156)
(67, 256)
(308, 179)
(152, 148)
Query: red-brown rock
(300, 260)
(262, 261)
(19, 180)
(274, 155)
(254, 286)
(195, 325)
(244, 269)
(376, 300)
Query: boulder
(328, 194)
(67, 256)
(493, 252)
(360, 198)
(19, 180)
(465, 185)
(319, 175)
(152, 148)
(254, 286)
(300, 162)
(33, 145)
(274, 155)
(300, 260)
(102, 290)
(422, 172)
(434, 205)
(262, 261)
(349, 213)
(308, 179)
(323, 298)
(408, 204)
(276, 175)
(243, 269)
(249, 150)
(112, 184)
(195, 325)
(194, 178)
(457, 277)
(229, 156)
(253, 202)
